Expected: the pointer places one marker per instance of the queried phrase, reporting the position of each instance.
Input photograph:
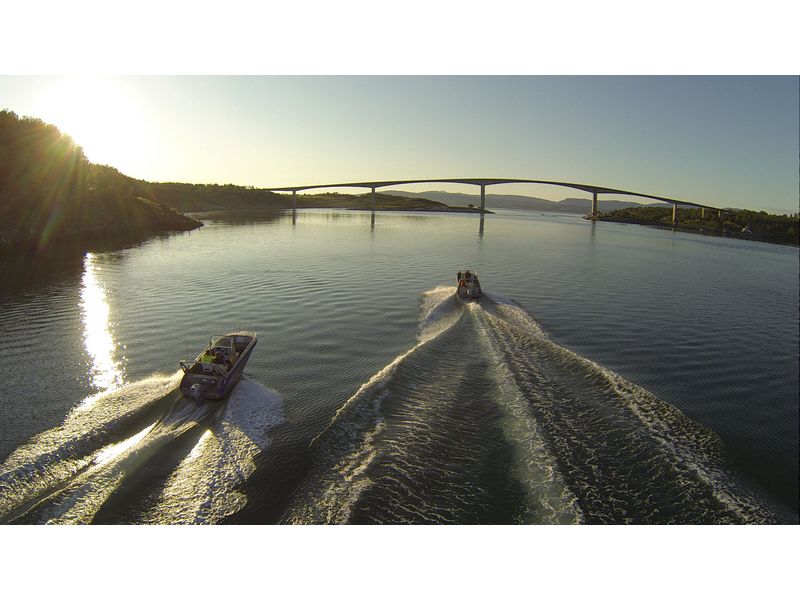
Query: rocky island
(742, 224)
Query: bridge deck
(592, 189)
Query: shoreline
(90, 240)
(452, 209)
(699, 231)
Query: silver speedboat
(218, 367)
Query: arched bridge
(483, 183)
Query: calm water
(611, 374)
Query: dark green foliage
(364, 202)
(188, 197)
(745, 224)
(193, 197)
(50, 192)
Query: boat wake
(116, 457)
(205, 486)
(487, 420)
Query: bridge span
(595, 190)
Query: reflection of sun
(103, 116)
(105, 372)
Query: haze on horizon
(724, 141)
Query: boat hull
(468, 295)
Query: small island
(741, 224)
(383, 202)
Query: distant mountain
(584, 205)
(492, 200)
(509, 201)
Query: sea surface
(611, 373)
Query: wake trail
(206, 485)
(52, 458)
(486, 419)
(627, 456)
(421, 441)
(78, 498)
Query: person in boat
(459, 277)
(219, 358)
(205, 357)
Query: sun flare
(102, 115)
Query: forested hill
(51, 194)
(189, 197)
(743, 224)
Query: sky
(720, 140)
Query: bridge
(483, 183)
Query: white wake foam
(205, 487)
(58, 454)
(688, 446)
(439, 310)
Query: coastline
(90, 239)
(451, 209)
(734, 235)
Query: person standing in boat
(231, 359)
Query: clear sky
(723, 141)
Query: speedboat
(218, 367)
(469, 288)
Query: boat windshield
(223, 341)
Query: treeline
(744, 224)
(195, 197)
(50, 193)
(191, 197)
(364, 202)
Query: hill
(517, 202)
(188, 197)
(584, 205)
(50, 194)
(742, 224)
(193, 197)
(383, 201)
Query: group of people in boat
(466, 278)
(218, 356)
(469, 281)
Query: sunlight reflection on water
(105, 372)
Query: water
(611, 374)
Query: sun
(105, 116)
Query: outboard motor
(196, 392)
